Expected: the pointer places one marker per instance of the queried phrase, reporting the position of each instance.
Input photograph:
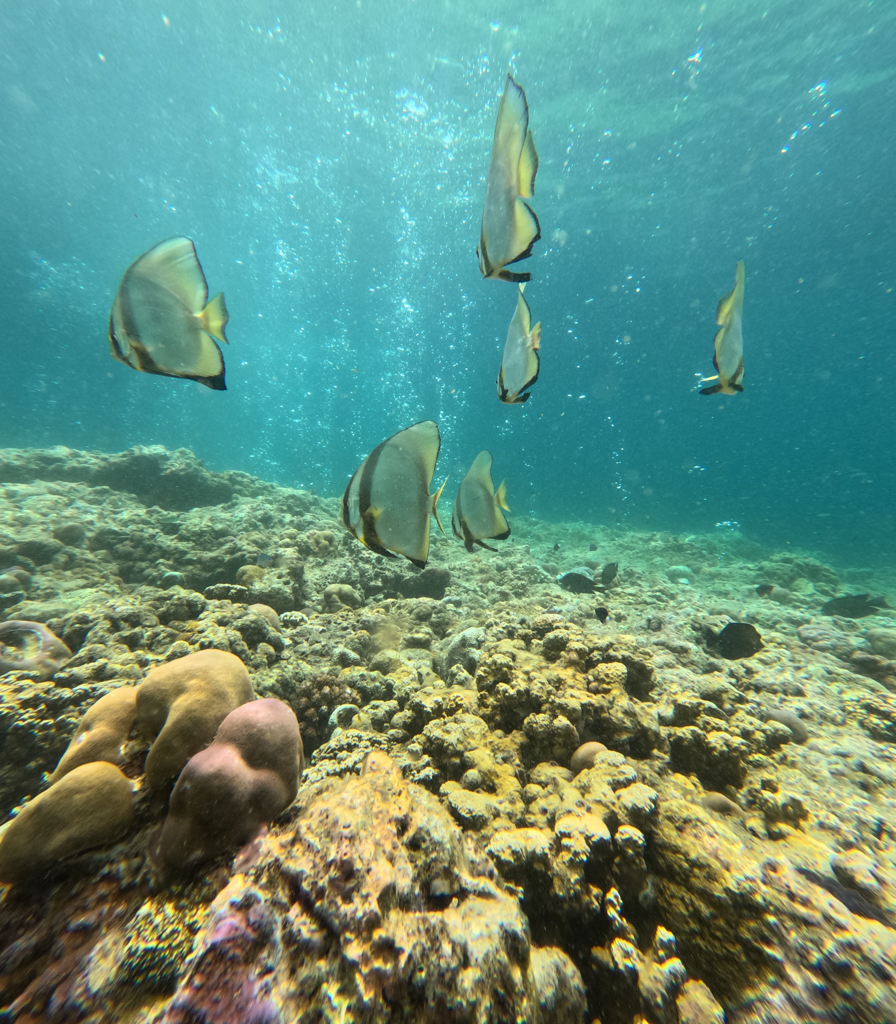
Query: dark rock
(71, 534)
(428, 583)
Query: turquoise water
(329, 161)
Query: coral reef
(512, 808)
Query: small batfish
(509, 227)
(854, 606)
(477, 514)
(387, 503)
(728, 357)
(608, 573)
(736, 640)
(520, 362)
(162, 321)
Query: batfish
(728, 357)
(162, 321)
(520, 363)
(387, 503)
(509, 226)
(477, 514)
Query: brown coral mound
(91, 806)
(102, 732)
(181, 704)
(228, 792)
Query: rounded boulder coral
(181, 704)
(102, 732)
(229, 791)
(90, 806)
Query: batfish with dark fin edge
(509, 226)
(728, 357)
(854, 606)
(477, 514)
(162, 321)
(520, 363)
(387, 503)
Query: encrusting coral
(181, 704)
(228, 792)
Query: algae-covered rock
(90, 806)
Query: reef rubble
(730, 854)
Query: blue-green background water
(329, 162)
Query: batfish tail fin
(501, 496)
(214, 318)
(435, 505)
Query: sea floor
(730, 855)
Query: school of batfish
(163, 322)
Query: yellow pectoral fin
(528, 168)
(501, 496)
(434, 508)
(214, 318)
(535, 336)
